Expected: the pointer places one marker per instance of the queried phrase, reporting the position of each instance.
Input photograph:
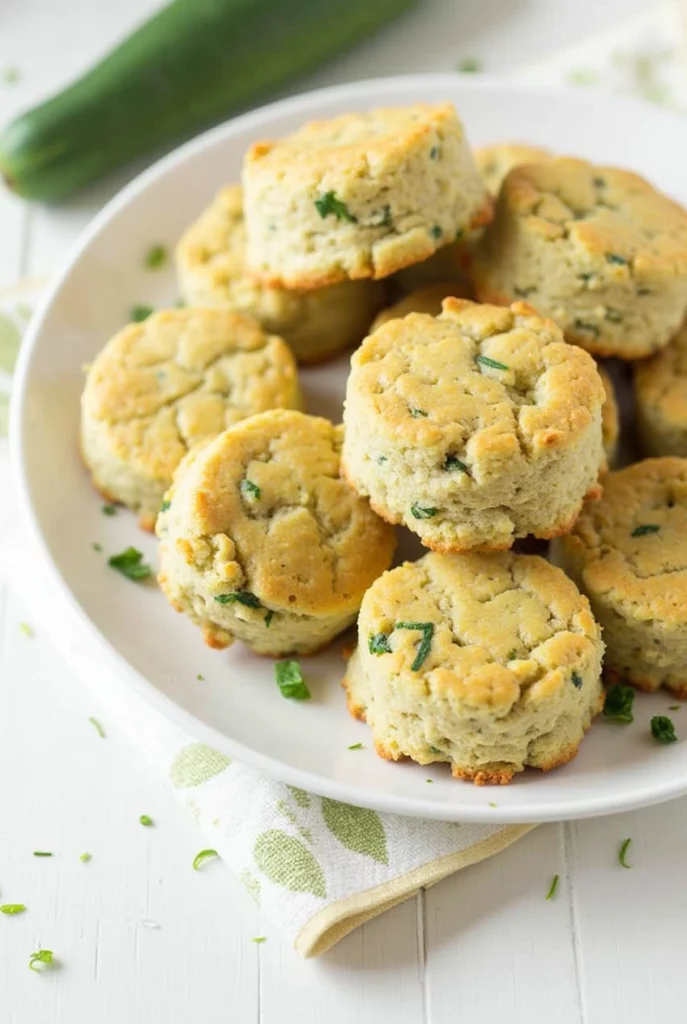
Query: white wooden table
(483, 946)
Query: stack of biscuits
(480, 289)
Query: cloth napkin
(319, 868)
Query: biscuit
(422, 300)
(495, 162)
(610, 417)
(261, 539)
(628, 554)
(211, 268)
(161, 386)
(660, 387)
(597, 249)
(475, 427)
(488, 662)
(360, 196)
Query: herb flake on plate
(290, 680)
(130, 564)
(618, 703)
(662, 729)
(201, 857)
(622, 852)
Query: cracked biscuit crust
(263, 511)
(475, 427)
(660, 385)
(211, 266)
(161, 386)
(360, 196)
(510, 677)
(598, 249)
(628, 553)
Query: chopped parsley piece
(436, 231)
(290, 680)
(459, 234)
(613, 257)
(381, 459)
(97, 547)
(618, 703)
(249, 489)
(613, 316)
(201, 857)
(259, 938)
(584, 325)
(378, 643)
(644, 529)
(165, 506)
(427, 630)
(41, 956)
(417, 413)
(429, 780)
(12, 908)
(493, 363)
(553, 888)
(129, 563)
(453, 462)
(85, 857)
(492, 804)
(434, 153)
(141, 312)
(434, 750)
(356, 746)
(41, 853)
(146, 820)
(10, 75)
(576, 680)
(599, 182)
(511, 655)
(328, 203)
(240, 597)
(269, 615)
(673, 707)
(98, 727)
(109, 510)
(26, 630)
(422, 512)
(469, 66)
(662, 729)
(586, 276)
(156, 257)
(200, 677)
(622, 851)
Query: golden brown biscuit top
(630, 546)
(217, 240)
(421, 300)
(354, 143)
(494, 162)
(485, 382)
(662, 380)
(500, 627)
(617, 222)
(265, 508)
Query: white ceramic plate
(238, 708)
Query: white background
(482, 946)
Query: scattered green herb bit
(644, 291)
(584, 325)
(290, 680)
(240, 597)
(613, 257)
(259, 938)
(459, 234)
(618, 703)
(469, 66)
(269, 615)
(662, 729)
(622, 851)
(10, 75)
(141, 312)
(453, 462)
(378, 643)
(156, 257)
(576, 680)
(434, 153)
(97, 547)
(165, 506)
(328, 203)
(249, 489)
(129, 563)
(586, 277)
(492, 804)
(417, 413)
(200, 677)
(26, 629)
(429, 780)
(385, 220)
(201, 857)
(434, 750)
(436, 231)
(493, 363)
(599, 182)
(356, 746)
(381, 459)
(553, 888)
(422, 512)
(673, 707)
(427, 630)
(109, 510)
(98, 727)
(146, 820)
(41, 853)
(644, 529)
(85, 857)
(511, 654)
(613, 316)
(12, 908)
(41, 956)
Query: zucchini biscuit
(628, 554)
(660, 386)
(161, 386)
(490, 663)
(211, 268)
(263, 541)
(475, 427)
(610, 417)
(595, 248)
(360, 196)
(422, 300)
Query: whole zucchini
(187, 67)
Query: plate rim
(574, 808)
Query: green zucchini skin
(190, 65)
